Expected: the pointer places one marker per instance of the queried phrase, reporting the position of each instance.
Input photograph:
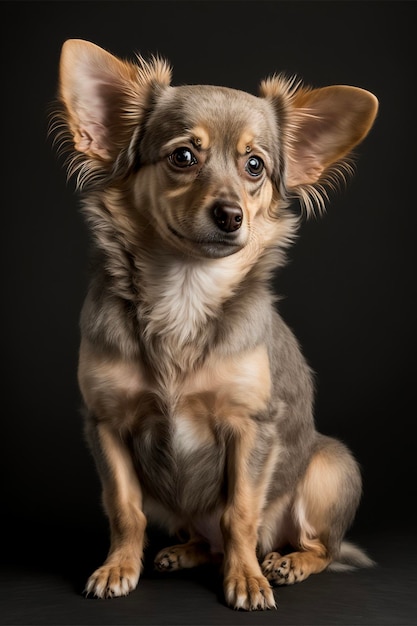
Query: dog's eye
(254, 166)
(183, 157)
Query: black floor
(44, 573)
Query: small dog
(198, 402)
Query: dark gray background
(348, 291)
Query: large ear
(105, 97)
(321, 125)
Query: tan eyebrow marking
(200, 137)
(244, 145)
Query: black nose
(228, 217)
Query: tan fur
(122, 499)
(200, 137)
(198, 402)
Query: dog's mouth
(214, 245)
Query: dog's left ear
(320, 126)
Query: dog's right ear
(105, 98)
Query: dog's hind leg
(325, 503)
(122, 499)
(182, 556)
(294, 567)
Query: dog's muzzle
(219, 235)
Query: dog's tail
(350, 557)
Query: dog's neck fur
(177, 298)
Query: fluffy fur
(198, 402)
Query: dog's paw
(249, 593)
(283, 570)
(111, 581)
(185, 555)
(169, 559)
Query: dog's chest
(180, 436)
(178, 428)
(179, 459)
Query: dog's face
(208, 156)
(210, 168)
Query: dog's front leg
(122, 499)
(245, 587)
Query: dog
(198, 402)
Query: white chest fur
(180, 296)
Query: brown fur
(198, 402)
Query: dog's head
(212, 168)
